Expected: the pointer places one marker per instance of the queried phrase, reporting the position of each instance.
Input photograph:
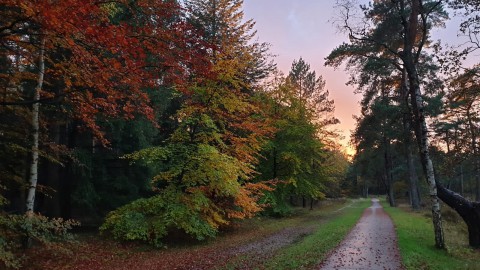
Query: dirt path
(372, 244)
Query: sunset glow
(306, 29)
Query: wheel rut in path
(372, 244)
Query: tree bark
(424, 145)
(469, 211)
(407, 142)
(409, 57)
(413, 180)
(30, 203)
(476, 164)
(388, 172)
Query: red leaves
(106, 66)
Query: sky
(304, 28)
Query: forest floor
(309, 239)
(416, 241)
(299, 241)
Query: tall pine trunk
(410, 57)
(413, 179)
(33, 178)
(407, 143)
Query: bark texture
(388, 172)
(469, 211)
(424, 145)
(35, 132)
(410, 58)
(407, 144)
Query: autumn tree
(204, 169)
(73, 67)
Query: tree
(416, 17)
(376, 128)
(93, 66)
(205, 167)
(460, 117)
(233, 51)
(297, 154)
(373, 39)
(310, 90)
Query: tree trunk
(409, 57)
(413, 180)
(388, 172)
(424, 145)
(469, 211)
(30, 203)
(407, 142)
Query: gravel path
(372, 244)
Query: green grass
(312, 249)
(417, 246)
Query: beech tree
(205, 168)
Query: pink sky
(303, 28)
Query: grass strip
(312, 249)
(417, 244)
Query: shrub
(151, 219)
(17, 230)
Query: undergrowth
(417, 244)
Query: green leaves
(51, 233)
(152, 218)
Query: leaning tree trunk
(35, 132)
(469, 211)
(424, 145)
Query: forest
(143, 121)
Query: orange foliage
(102, 67)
